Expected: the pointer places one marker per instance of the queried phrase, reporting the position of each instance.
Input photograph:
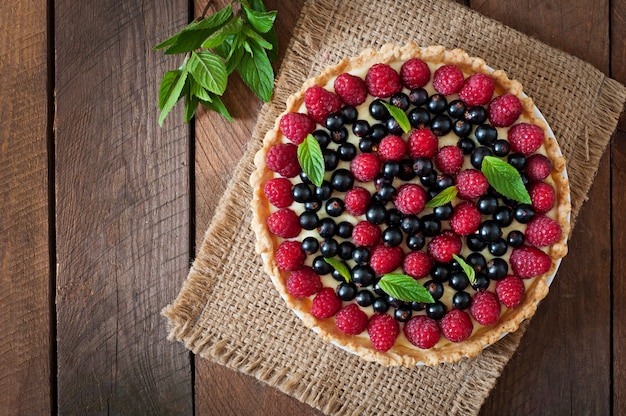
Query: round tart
(411, 205)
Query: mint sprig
(311, 159)
(399, 115)
(467, 269)
(340, 267)
(240, 37)
(405, 288)
(505, 179)
(443, 197)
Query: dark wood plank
(122, 210)
(24, 255)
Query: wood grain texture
(122, 210)
(24, 252)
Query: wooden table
(102, 211)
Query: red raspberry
(528, 261)
(525, 138)
(290, 256)
(391, 148)
(386, 259)
(422, 143)
(449, 159)
(320, 103)
(542, 231)
(366, 234)
(351, 320)
(325, 304)
(278, 192)
(538, 167)
(443, 246)
(542, 196)
(471, 183)
(414, 73)
(296, 126)
(477, 90)
(456, 325)
(504, 110)
(422, 331)
(417, 264)
(410, 199)
(510, 291)
(303, 283)
(448, 79)
(382, 81)
(365, 167)
(283, 159)
(465, 218)
(356, 200)
(351, 89)
(383, 331)
(485, 308)
(284, 223)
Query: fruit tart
(411, 205)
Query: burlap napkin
(228, 310)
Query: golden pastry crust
(403, 353)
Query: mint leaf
(262, 22)
(209, 70)
(218, 106)
(311, 159)
(469, 270)
(340, 267)
(269, 36)
(505, 179)
(191, 105)
(170, 91)
(405, 288)
(255, 37)
(443, 197)
(233, 27)
(399, 115)
(256, 71)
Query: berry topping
(485, 308)
(365, 167)
(448, 79)
(456, 325)
(391, 148)
(471, 184)
(417, 264)
(537, 167)
(284, 223)
(283, 159)
(422, 143)
(510, 291)
(386, 259)
(383, 331)
(382, 81)
(542, 196)
(477, 89)
(504, 110)
(351, 320)
(320, 103)
(290, 256)
(296, 126)
(303, 283)
(525, 138)
(411, 199)
(443, 246)
(366, 234)
(422, 331)
(449, 159)
(278, 192)
(356, 200)
(351, 89)
(465, 218)
(325, 304)
(414, 73)
(543, 231)
(528, 261)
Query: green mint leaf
(505, 179)
(256, 71)
(340, 267)
(233, 27)
(405, 288)
(198, 91)
(269, 36)
(218, 106)
(443, 197)
(234, 56)
(399, 115)
(170, 90)
(262, 22)
(311, 159)
(469, 270)
(191, 105)
(209, 71)
(255, 37)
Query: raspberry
(456, 325)
(528, 261)
(320, 103)
(365, 167)
(383, 331)
(537, 167)
(356, 200)
(411, 199)
(386, 259)
(278, 192)
(449, 159)
(448, 79)
(504, 110)
(477, 90)
(391, 148)
(303, 283)
(382, 81)
(351, 89)
(465, 218)
(325, 304)
(485, 308)
(417, 264)
(284, 223)
(351, 320)
(510, 291)
(283, 159)
(471, 183)
(542, 196)
(290, 256)
(296, 126)
(422, 331)
(422, 143)
(525, 138)
(414, 73)
(443, 246)
(542, 231)
(366, 234)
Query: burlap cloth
(228, 310)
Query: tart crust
(403, 353)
